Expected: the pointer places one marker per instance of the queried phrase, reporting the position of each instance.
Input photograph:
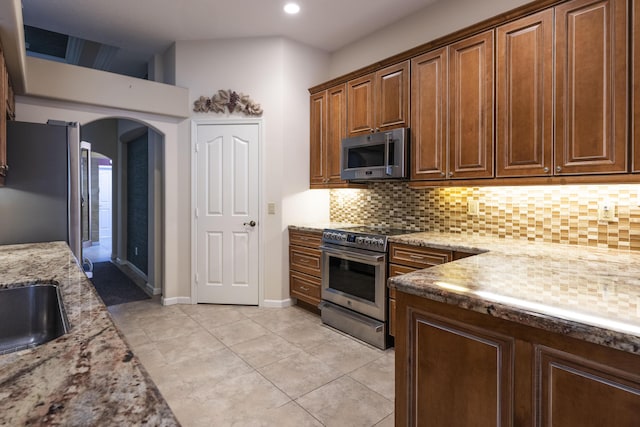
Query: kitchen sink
(30, 315)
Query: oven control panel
(356, 240)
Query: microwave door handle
(387, 166)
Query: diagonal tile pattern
(249, 366)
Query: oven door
(355, 279)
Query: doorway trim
(261, 177)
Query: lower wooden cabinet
(407, 258)
(463, 368)
(304, 266)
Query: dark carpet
(113, 286)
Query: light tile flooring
(249, 366)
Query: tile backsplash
(559, 214)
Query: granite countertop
(317, 227)
(88, 376)
(587, 293)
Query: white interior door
(227, 200)
(104, 202)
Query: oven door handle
(351, 256)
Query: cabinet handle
(302, 238)
(304, 288)
(420, 257)
(303, 260)
(545, 170)
(558, 168)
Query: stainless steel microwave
(375, 156)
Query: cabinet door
(429, 115)
(578, 392)
(635, 81)
(360, 117)
(471, 107)
(336, 130)
(4, 80)
(391, 103)
(524, 79)
(318, 139)
(461, 374)
(591, 87)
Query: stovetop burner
(377, 230)
(361, 237)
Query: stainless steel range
(354, 275)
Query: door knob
(250, 223)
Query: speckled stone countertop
(586, 293)
(318, 227)
(88, 376)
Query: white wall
(55, 80)
(39, 110)
(276, 73)
(434, 21)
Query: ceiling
(139, 29)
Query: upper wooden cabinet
(471, 107)
(4, 85)
(591, 87)
(635, 79)
(429, 115)
(524, 99)
(318, 138)
(379, 101)
(328, 128)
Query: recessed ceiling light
(291, 8)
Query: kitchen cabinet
(304, 266)
(471, 107)
(429, 115)
(379, 101)
(459, 367)
(4, 85)
(524, 99)
(406, 259)
(591, 87)
(328, 128)
(635, 82)
(318, 139)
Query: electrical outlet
(271, 208)
(472, 207)
(606, 212)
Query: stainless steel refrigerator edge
(41, 198)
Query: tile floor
(249, 366)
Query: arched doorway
(135, 150)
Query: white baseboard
(151, 290)
(176, 300)
(276, 303)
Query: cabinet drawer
(305, 260)
(417, 256)
(305, 238)
(398, 270)
(305, 287)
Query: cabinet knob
(450, 173)
(372, 130)
(546, 170)
(558, 168)
(443, 174)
